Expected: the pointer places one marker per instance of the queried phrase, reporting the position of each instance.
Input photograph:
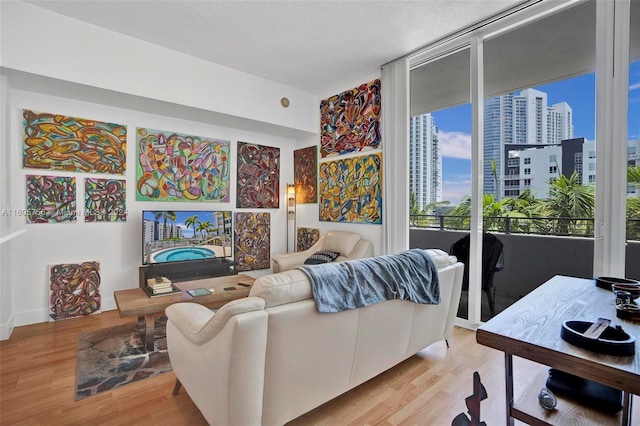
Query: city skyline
(454, 125)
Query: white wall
(131, 82)
(142, 85)
(116, 245)
(89, 55)
(6, 226)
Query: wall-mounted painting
(74, 290)
(305, 174)
(351, 190)
(71, 144)
(51, 199)
(306, 238)
(350, 121)
(105, 200)
(177, 167)
(258, 176)
(252, 241)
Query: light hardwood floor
(38, 368)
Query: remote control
(244, 284)
(229, 288)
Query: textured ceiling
(315, 46)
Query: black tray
(606, 282)
(613, 341)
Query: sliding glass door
(533, 174)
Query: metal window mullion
(477, 174)
(612, 85)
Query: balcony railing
(563, 226)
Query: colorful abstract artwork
(105, 200)
(305, 174)
(51, 199)
(258, 176)
(252, 241)
(351, 190)
(306, 238)
(177, 167)
(74, 290)
(59, 142)
(350, 121)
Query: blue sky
(454, 125)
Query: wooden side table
(135, 302)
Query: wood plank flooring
(38, 369)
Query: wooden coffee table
(135, 302)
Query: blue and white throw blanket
(410, 275)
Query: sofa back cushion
(284, 287)
(341, 241)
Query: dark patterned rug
(112, 357)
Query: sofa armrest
(199, 324)
(284, 262)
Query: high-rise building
(519, 119)
(425, 161)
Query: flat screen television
(186, 235)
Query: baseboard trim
(6, 329)
(40, 315)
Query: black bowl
(613, 341)
(607, 282)
(633, 289)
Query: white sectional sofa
(272, 357)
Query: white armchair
(350, 245)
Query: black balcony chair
(492, 262)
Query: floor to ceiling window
(633, 147)
(536, 155)
(539, 149)
(440, 144)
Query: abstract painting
(74, 290)
(305, 174)
(307, 237)
(351, 190)
(258, 176)
(252, 241)
(71, 144)
(350, 121)
(177, 167)
(51, 199)
(105, 200)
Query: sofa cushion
(441, 258)
(284, 287)
(322, 257)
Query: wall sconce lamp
(291, 218)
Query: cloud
(635, 86)
(455, 144)
(456, 187)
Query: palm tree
(525, 206)
(204, 227)
(192, 221)
(570, 203)
(494, 171)
(165, 215)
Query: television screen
(181, 235)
